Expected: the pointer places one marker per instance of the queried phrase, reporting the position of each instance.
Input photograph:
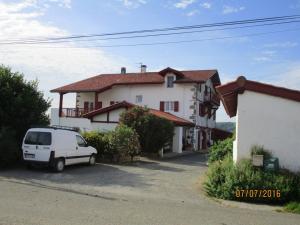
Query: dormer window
(170, 81)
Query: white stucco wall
(269, 121)
(152, 95)
(177, 140)
(83, 123)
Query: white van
(56, 147)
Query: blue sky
(272, 58)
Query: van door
(84, 154)
(37, 146)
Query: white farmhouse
(266, 115)
(187, 98)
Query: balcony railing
(74, 112)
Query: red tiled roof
(175, 119)
(105, 81)
(229, 92)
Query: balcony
(74, 112)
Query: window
(138, 98)
(202, 110)
(170, 81)
(80, 141)
(38, 138)
(169, 106)
(206, 90)
(91, 106)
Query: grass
(293, 207)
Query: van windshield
(38, 138)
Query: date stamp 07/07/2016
(258, 193)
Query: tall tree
(21, 106)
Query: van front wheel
(92, 161)
(59, 165)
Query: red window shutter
(112, 102)
(98, 105)
(176, 106)
(162, 106)
(86, 107)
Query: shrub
(260, 150)
(9, 148)
(293, 207)
(125, 142)
(220, 149)
(225, 177)
(154, 132)
(97, 140)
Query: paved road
(149, 192)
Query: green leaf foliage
(22, 105)
(224, 178)
(220, 149)
(154, 132)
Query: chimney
(123, 70)
(143, 68)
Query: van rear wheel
(92, 161)
(59, 165)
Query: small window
(38, 138)
(169, 106)
(44, 138)
(138, 98)
(80, 141)
(31, 138)
(170, 81)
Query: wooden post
(61, 96)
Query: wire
(231, 23)
(160, 34)
(176, 42)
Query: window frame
(81, 138)
(37, 141)
(137, 97)
(170, 83)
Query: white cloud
(182, 4)
(205, 5)
(62, 3)
(287, 44)
(54, 65)
(193, 12)
(133, 4)
(262, 58)
(230, 9)
(291, 78)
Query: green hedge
(220, 149)
(121, 142)
(224, 178)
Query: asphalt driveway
(148, 192)
(173, 179)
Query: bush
(154, 132)
(98, 140)
(9, 149)
(125, 142)
(120, 143)
(220, 149)
(224, 178)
